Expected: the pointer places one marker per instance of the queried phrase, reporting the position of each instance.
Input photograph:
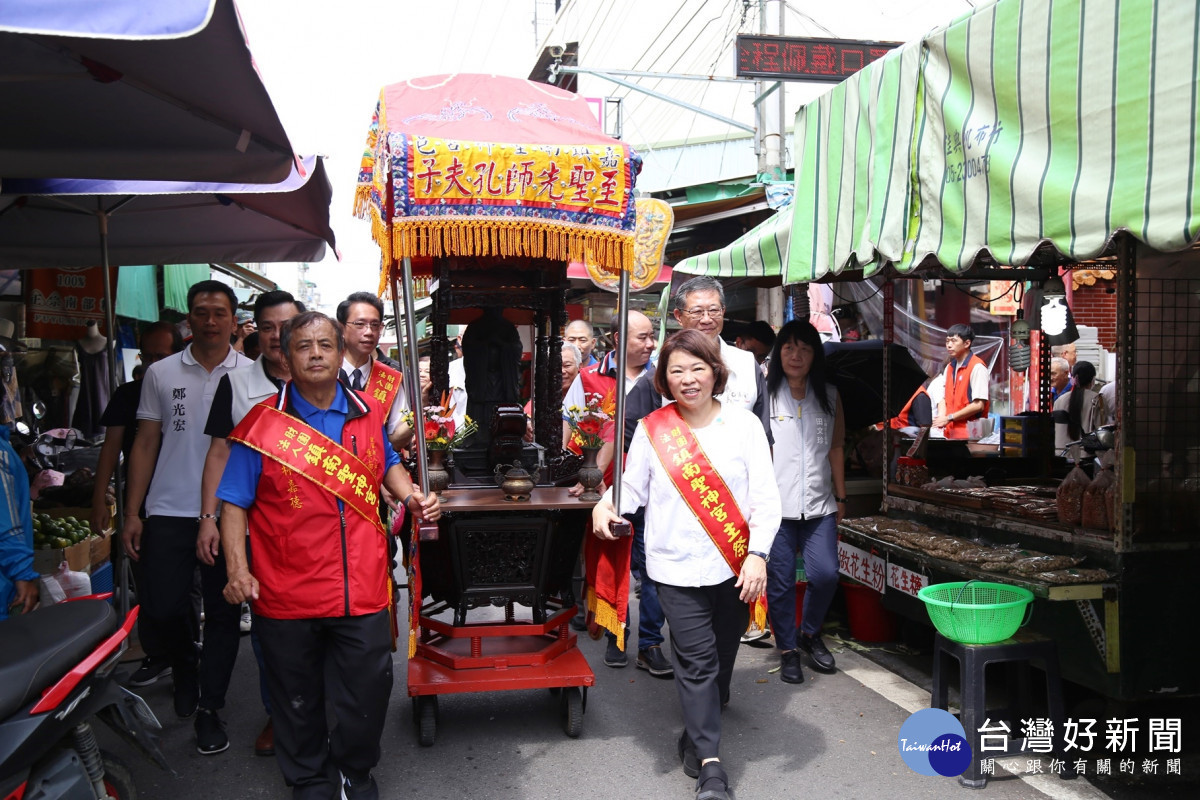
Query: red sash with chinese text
(383, 384)
(303, 449)
(701, 486)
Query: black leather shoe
(210, 733)
(790, 670)
(688, 757)
(712, 783)
(653, 661)
(818, 653)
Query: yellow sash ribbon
(310, 453)
(701, 486)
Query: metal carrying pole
(425, 531)
(621, 528)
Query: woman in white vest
(808, 429)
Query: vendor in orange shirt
(966, 384)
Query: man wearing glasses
(361, 314)
(700, 305)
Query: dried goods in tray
(1067, 576)
(1043, 563)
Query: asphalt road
(832, 737)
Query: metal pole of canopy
(621, 528)
(426, 531)
(120, 562)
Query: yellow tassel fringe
(606, 616)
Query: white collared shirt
(177, 392)
(741, 388)
(399, 405)
(678, 550)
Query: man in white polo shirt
(165, 472)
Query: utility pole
(771, 121)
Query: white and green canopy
(761, 251)
(1027, 121)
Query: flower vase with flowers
(590, 429)
(442, 434)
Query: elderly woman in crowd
(808, 428)
(703, 471)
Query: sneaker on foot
(754, 634)
(151, 670)
(365, 789)
(614, 656)
(817, 652)
(210, 733)
(653, 661)
(790, 670)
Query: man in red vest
(304, 475)
(966, 389)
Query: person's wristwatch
(203, 517)
(764, 556)
(837, 499)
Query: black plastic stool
(973, 660)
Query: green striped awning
(761, 251)
(853, 167)
(1027, 121)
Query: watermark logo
(932, 742)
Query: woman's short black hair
(697, 344)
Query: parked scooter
(57, 673)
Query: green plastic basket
(975, 612)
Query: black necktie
(357, 381)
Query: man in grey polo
(165, 472)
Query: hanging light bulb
(1018, 348)
(1057, 322)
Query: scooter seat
(38, 648)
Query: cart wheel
(555, 690)
(570, 706)
(426, 720)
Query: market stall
(481, 190)
(1013, 144)
(55, 230)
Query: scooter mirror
(22, 429)
(39, 410)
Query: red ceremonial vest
(958, 391)
(901, 420)
(310, 559)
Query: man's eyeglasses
(362, 324)
(716, 312)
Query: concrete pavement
(832, 737)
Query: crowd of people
(240, 471)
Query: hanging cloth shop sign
(60, 303)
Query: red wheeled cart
(490, 555)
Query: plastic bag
(74, 584)
(49, 592)
(1069, 497)
(1096, 509)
